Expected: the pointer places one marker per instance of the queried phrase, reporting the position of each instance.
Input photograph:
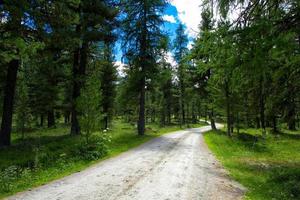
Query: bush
(95, 149)
(88, 105)
(290, 180)
(246, 137)
(7, 177)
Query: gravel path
(176, 166)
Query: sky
(187, 12)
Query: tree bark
(262, 107)
(257, 122)
(106, 122)
(75, 129)
(141, 121)
(212, 120)
(182, 104)
(79, 68)
(275, 130)
(238, 123)
(51, 118)
(67, 117)
(8, 101)
(291, 109)
(143, 63)
(228, 112)
(41, 120)
(169, 114)
(106, 117)
(291, 119)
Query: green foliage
(268, 168)
(88, 104)
(247, 75)
(108, 78)
(244, 72)
(7, 176)
(24, 116)
(95, 149)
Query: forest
(66, 102)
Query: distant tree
(108, 77)
(165, 85)
(180, 49)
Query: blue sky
(169, 26)
(186, 12)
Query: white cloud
(170, 59)
(190, 45)
(120, 67)
(169, 18)
(189, 13)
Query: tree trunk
(153, 116)
(41, 120)
(298, 121)
(275, 130)
(169, 114)
(194, 117)
(212, 120)
(262, 107)
(67, 117)
(163, 116)
(291, 114)
(228, 114)
(51, 118)
(79, 68)
(182, 92)
(205, 113)
(106, 122)
(292, 123)
(143, 64)
(141, 121)
(182, 110)
(8, 101)
(238, 123)
(75, 129)
(257, 122)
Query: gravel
(176, 166)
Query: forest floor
(269, 167)
(178, 165)
(45, 155)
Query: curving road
(176, 166)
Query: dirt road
(177, 166)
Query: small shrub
(89, 104)
(7, 177)
(40, 157)
(95, 149)
(290, 180)
(248, 137)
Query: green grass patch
(47, 155)
(269, 167)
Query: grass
(269, 167)
(47, 155)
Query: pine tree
(93, 18)
(164, 82)
(141, 41)
(108, 77)
(180, 49)
(17, 42)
